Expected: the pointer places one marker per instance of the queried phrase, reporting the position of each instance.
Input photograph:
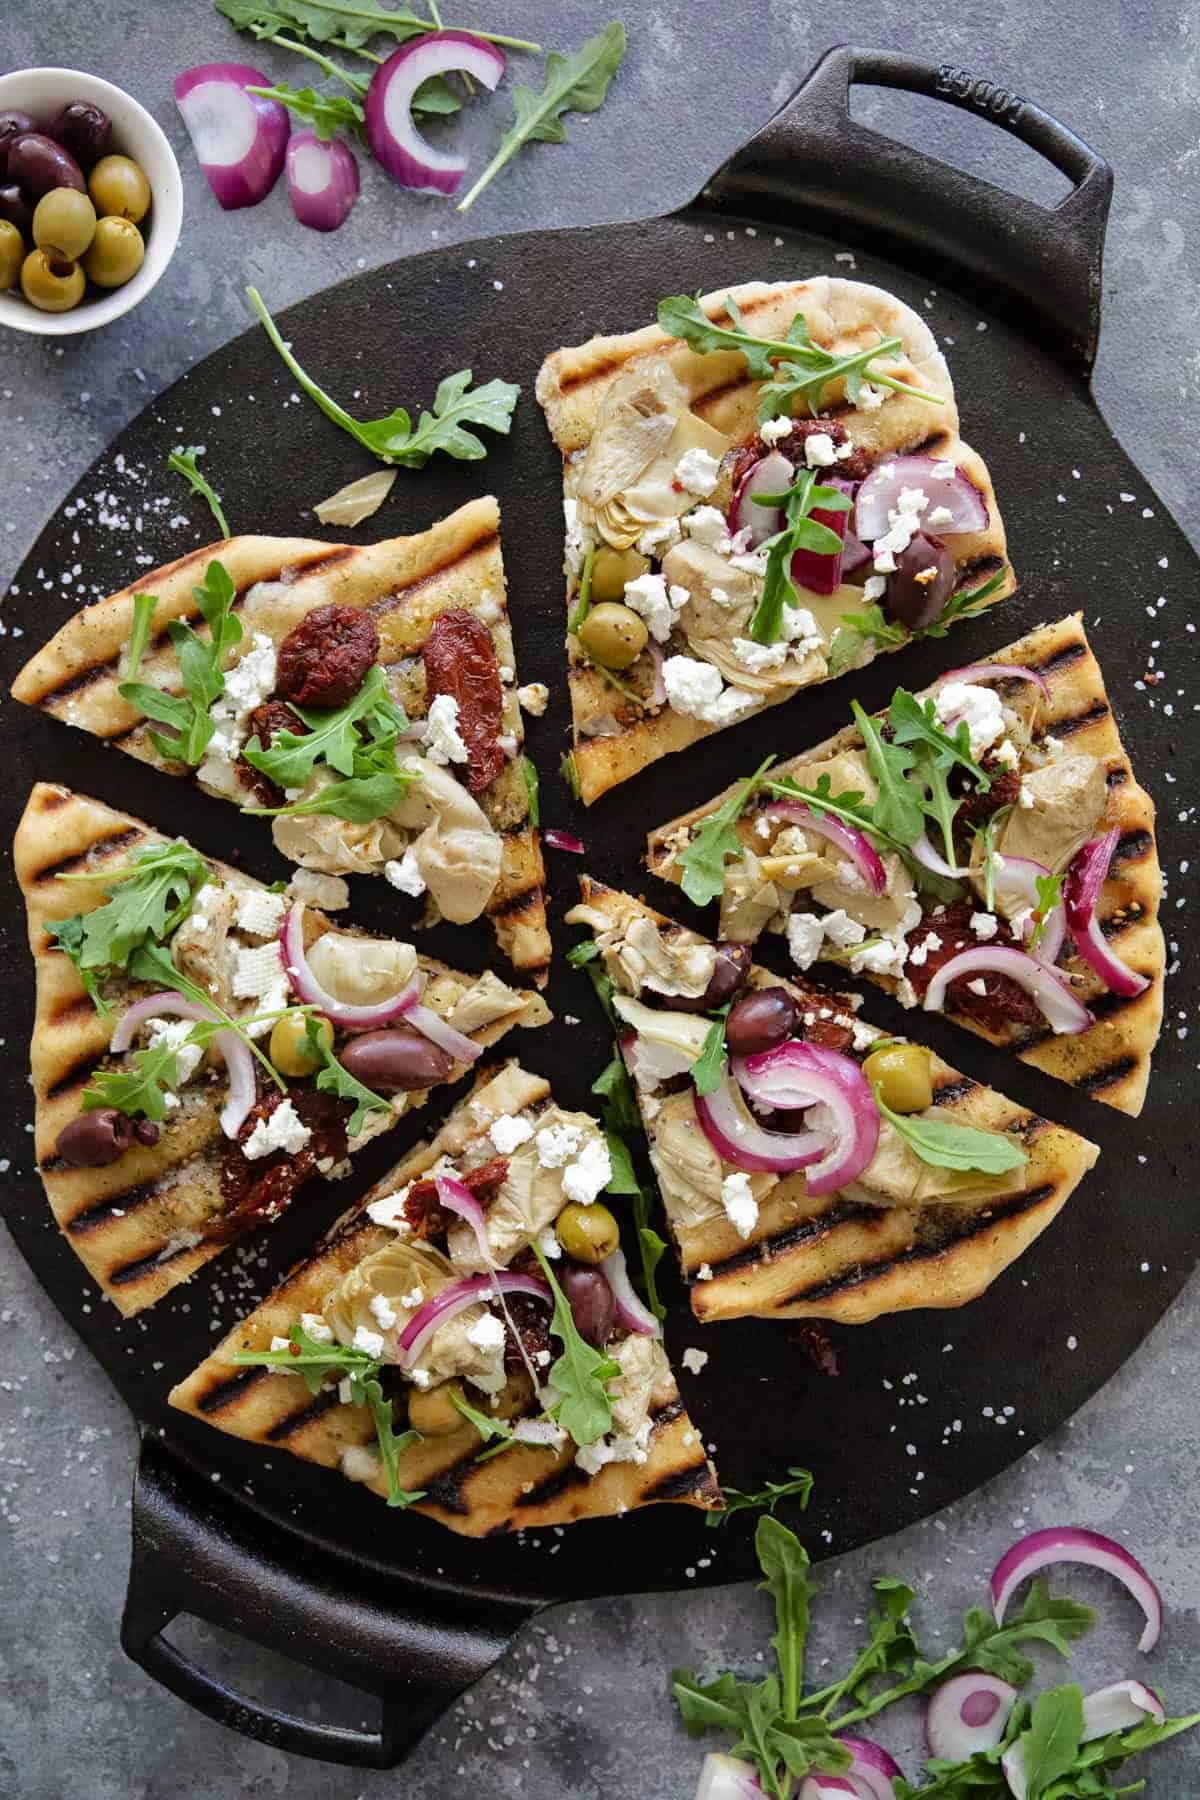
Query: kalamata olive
(395, 1062)
(921, 583)
(146, 1131)
(729, 974)
(592, 1306)
(95, 1138)
(13, 124)
(761, 1020)
(15, 208)
(37, 164)
(84, 130)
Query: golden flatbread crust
(571, 387)
(136, 1225)
(832, 1258)
(404, 583)
(520, 1490)
(1111, 1059)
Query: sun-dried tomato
(258, 1192)
(827, 1033)
(1002, 1004)
(425, 1213)
(324, 661)
(460, 660)
(974, 808)
(531, 1319)
(264, 722)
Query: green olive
(588, 1233)
(290, 1049)
(118, 186)
(64, 223)
(12, 255)
(50, 284)
(613, 635)
(432, 1411)
(611, 569)
(903, 1074)
(116, 254)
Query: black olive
(16, 209)
(95, 1138)
(13, 124)
(591, 1301)
(761, 1020)
(84, 130)
(395, 1062)
(146, 1131)
(921, 583)
(729, 974)
(37, 164)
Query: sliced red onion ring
(738, 1140)
(771, 474)
(994, 671)
(785, 1075)
(455, 1299)
(872, 1772)
(395, 142)
(880, 492)
(233, 1050)
(1073, 1544)
(240, 138)
(564, 840)
(322, 180)
(1081, 890)
(845, 838)
(1120, 1707)
(1063, 1012)
(726, 1778)
(631, 1312)
(825, 1787)
(929, 858)
(456, 1197)
(967, 1714)
(431, 1025)
(1015, 882)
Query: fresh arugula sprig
(708, 1070)
(797, 1487)
(581, 1374)
(914, 722)
(575, 83)
(529, 776)
(393, 439)
(986, 837)
(715, 841)
(139, 632)
(568, 768)
(945, 1145)
(183, 462)
(327, 114)
(357, 741)
(583, 599)
(149, 897)
(619, 1116)
(870, 628)
(202, 666)
(316, 1362)
(343, 24)
(487, 1427)
(799, 532)
(333, 1078)
(1049, 893)
(793, 368)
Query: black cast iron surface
(918, 1414)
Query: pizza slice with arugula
(204, 1045)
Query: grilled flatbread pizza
(466, 1339)
(363, 697)
(810, 1168)
(203, 1046)
(985, 851)
(762, 491)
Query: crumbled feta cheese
(720, 597)
(414, 1299)
(753, 561)
(978, 986)
(317, 1329)
(864, 1034)
(443, 741)
(696, 690)
(1007, 754)
(870, 399)
(390, 1210)
(382, 1312)
(773, 431)
(758, 657)
(591, 1458)
(508, 1133)
(741, 1208)
(660, 536)
(707, 526)
(805, 932)
(842, 930)
(367, 1340)
(819, 452)
(170, 1034)
(345, 1391)
(979, 706)
(284, 1129)
(943, 471)
(547, 1242)
(904, 522)
(543, 1432)
(941, 515)
(874, 588)
(694, 1361)
(885, 958)
(697, 470)
(405, 874)
(919, 954)
(280, 1343)
(577, 540)
(648, 596)
(1025, 799)
(259, 975)
(557, 1144)
(704, 1273)
(590, 1175)
(259, 913)
(247, 685)
(984, 924)
(487, 1333)
(533, 698)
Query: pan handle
(1040, 267)
(415, 1647)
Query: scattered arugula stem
(702, 861)
(183, 462)
(583, 600)
(358, 84)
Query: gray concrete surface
(580, 1706)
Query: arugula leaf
(708, 1069)
(68, 935)
(986, 834)
(583, 953)
(804, 369)
(751, 1712)
(393, 439)
(140, 1089)
(897, 807)
(374, 782)
(333, 1078)
(615, 1089)
(488, 1428)
(583, 600)
(569, 770)
(915, 721)
(715, 841)
(346, 24)
(360, 799)
(1049, 892)
(798, 1486)
(784, 1563)
(575, 83)
(961, 606)
(149, 897)
(947, 1146)
(391, 1445)
(139, 631)
(314, 1361)
(799, 532)
(581, 1374)
(201, 664)
(871, 628)
(183, 462)
(1051, 1743)
(529, 775)
(326, 113)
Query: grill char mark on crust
(75, 1075)
(1108, 1076)
(105, 846)
(1093, 714)
(317, 1407)
(92, 1218)
(694, 1478)
(145, 1265)
(229, 1392)
(512, 904)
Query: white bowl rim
(166, 185)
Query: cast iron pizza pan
(299, 1559)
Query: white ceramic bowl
(40, 93)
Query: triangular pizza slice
(362, 696)
(477, 1299)
(181, 1095)
(984, 849)
(765, 489)
(811, 1167)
